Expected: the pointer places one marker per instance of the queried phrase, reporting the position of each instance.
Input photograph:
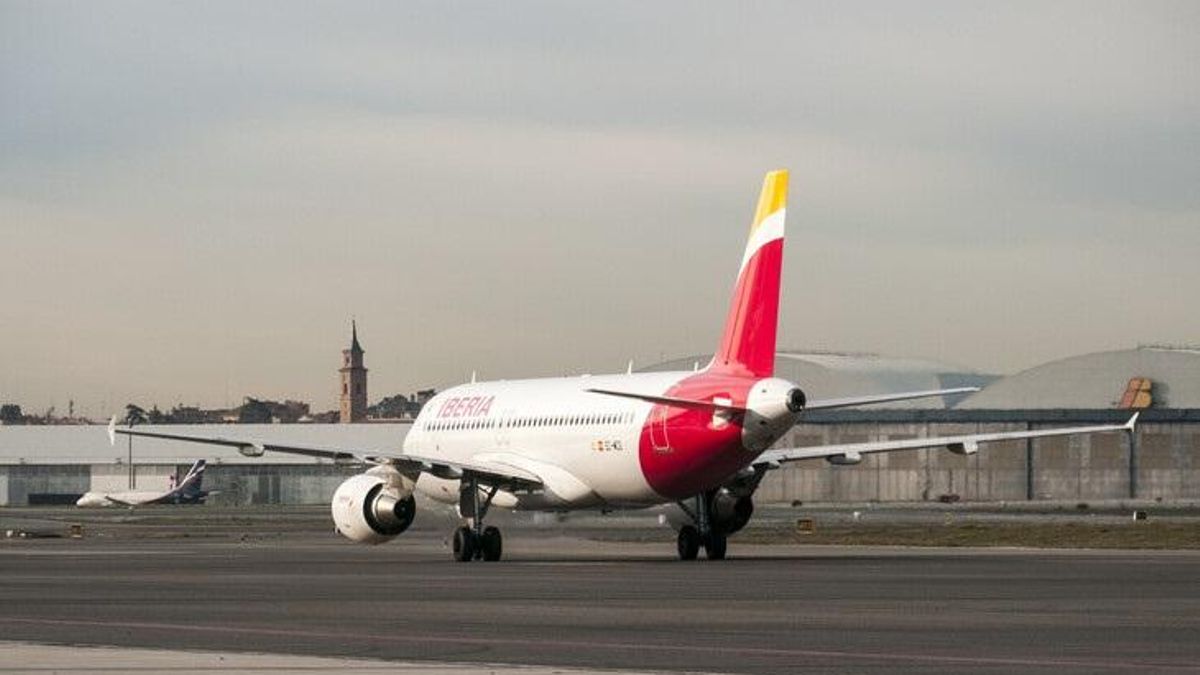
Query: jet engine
(373, 507)
(730, 512)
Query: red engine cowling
(371, 508)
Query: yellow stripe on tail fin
(772, 198)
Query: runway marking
(621, 646)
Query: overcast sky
(195, 198)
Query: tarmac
(269, 599)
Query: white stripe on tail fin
(748, 341)
(191, 481)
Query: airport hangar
(1161, 460)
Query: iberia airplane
(700, 439)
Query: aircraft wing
(500, 475)
(966, 444)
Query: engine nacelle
(845, 459)
(373, 507)
(729, 512)
(964, 448)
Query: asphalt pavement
(571, 602)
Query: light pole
(132, 479)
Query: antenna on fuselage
(472, 377)
(629, 368)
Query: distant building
(1146, 377)
(399, 406)
(354, 381)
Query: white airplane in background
(696, 439)
(188, 491)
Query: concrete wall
(23, 480)
(235, 483)
(1091, 467)
(275, 484)
(149, 477)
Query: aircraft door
(502, 428)
(658, 429)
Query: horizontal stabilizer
(884, 398)
(695, 404)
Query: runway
(568, 602)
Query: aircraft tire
(715, 546)
(464, 544)
(491, 543)
(688, 543)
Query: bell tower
(354, 381)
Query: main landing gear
(703, 533)
(473, 541)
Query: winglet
(1132, 421)
(112, 430)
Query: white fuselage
(118, 498)
(584, 446)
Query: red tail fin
(748, 343)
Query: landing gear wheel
(688, 543)
(464, 544)
(491, 544)
(715, 545)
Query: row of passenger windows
(530, 422)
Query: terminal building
(1161, 460)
